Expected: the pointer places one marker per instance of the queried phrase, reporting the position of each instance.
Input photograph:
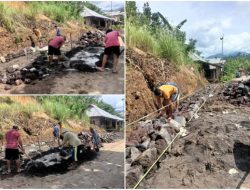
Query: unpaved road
(218, 141)
(68, 82)
(106, 171)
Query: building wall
(105, 123)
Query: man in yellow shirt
(167, 93)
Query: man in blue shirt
(95, 139)
(57, 132)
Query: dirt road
(106, 171)
(215, 153)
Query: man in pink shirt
(13, 140)
(54, 47)
(112, 46)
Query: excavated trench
(216, 143)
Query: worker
(112, 46)
(38, 34)
(71, 139)
(54, 47)
(57, 132)
(169, 92)
(13, 141)
(58, 30)
(95, 139)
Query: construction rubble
(149, 138)
(83, 58)
(205, 152)
(238, 93)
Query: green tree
(131, 9)
(147, 11)
(191, 45)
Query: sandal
(115, 72)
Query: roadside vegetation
(25, 12)
(152, 33)
(57, 107)
(233, 65)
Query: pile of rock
(146, 143)
(149, 138)
(91, 38)
(108, 137)
(238, 93)
(15, 75)
(15, 55)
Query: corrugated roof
(95, 111)
(217, 62)
(89, 13)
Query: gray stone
(135, 153)
(10, 69)
(128, 152)
(132, 143)
(146, 143)
(146, 158)
(160, 145)
(164, 134)
(133, 176)
(27, 81)
(152, 144)
(33, 69)
(181, 120)
(18, 74)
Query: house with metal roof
(103, 119)
(94, 19)
(213, 68)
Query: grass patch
(140, 37)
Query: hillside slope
(18, 19)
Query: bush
(140, 37)
(57, 110)
(169, 47)
(232, 65)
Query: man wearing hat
(13, 141)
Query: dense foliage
(153, 33)
(58, 107)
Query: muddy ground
(68, 81)
(218, 141)
(105, 171)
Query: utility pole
(222, 38)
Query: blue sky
(106, 5)
(207, 21)
(117, 101)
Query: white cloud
(208, 34)
(106, 5)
